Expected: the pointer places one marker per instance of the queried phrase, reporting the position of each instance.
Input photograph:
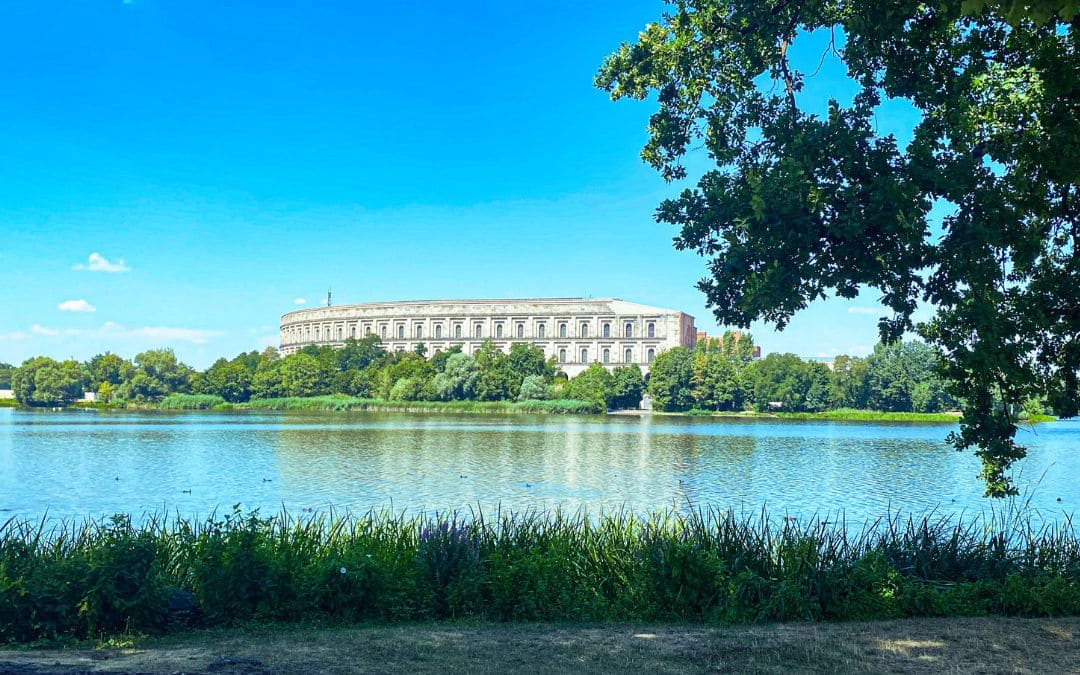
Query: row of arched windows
(605, 355)
(315, 333)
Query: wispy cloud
(76, 306)
(38, 329)
(299, 301)
(13, 336)
(99, 263)
(111, 330)
(864, 310)
(197, 336)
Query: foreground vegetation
(988, 644)
(80, 581)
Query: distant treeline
(720, 374)
(361, 369)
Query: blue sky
(222, 161)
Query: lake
(90, 463)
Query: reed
(92, 578)
(347, 403)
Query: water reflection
(85, 463)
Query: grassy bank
(873, 416)
(911, 646)
(841, 414)
(380, 405)
(79, 581)
(8, 403)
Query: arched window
(521, 330)
(498, 330)
(352, 331)
(651, 356)
(628, 330)
(540, 331)
(401, 332)
(339, 330)
(479, 332)
(438, 332)
(606, 356)
(652, 330)
(583, 330)
(419, 332)
(562, 356)
(628, 356)
(562, 330)
(316, 333)
(607, 330)
(457, 331)
(584, 355)
(384, 332)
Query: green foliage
(594, 384)
(670, 380)
(6, 372)
(533, 388)
(803, 203)
(704, 566)
(42, 381)
(627, 387)
(156, 374)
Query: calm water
(94, 464)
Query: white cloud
(99, 263)
(76, 306)
(196, 336)
(299, 301)
(864, 310)
(38, 329)
(13, 336)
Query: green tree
(533, 388)
(266, 383)
(359, 354)
(231, 380)
(458, 380)
(848, 383)
(108, 368)
(525, 360)
(802, 203)
(42, 381)
(788, 382)
(305, 374)
(594, 384)
(497, 381)
(156, 374)
(669, 379)
(6, 371)
(627, 387)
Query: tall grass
(190, 402)
(341, 403)
(96, 578)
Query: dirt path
(913, 646)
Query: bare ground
(985, 645)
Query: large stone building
(576, 331)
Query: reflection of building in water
(576, 331)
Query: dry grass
(984, 645)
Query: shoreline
(337, 403)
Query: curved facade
(576, 331)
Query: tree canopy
(802, 204)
